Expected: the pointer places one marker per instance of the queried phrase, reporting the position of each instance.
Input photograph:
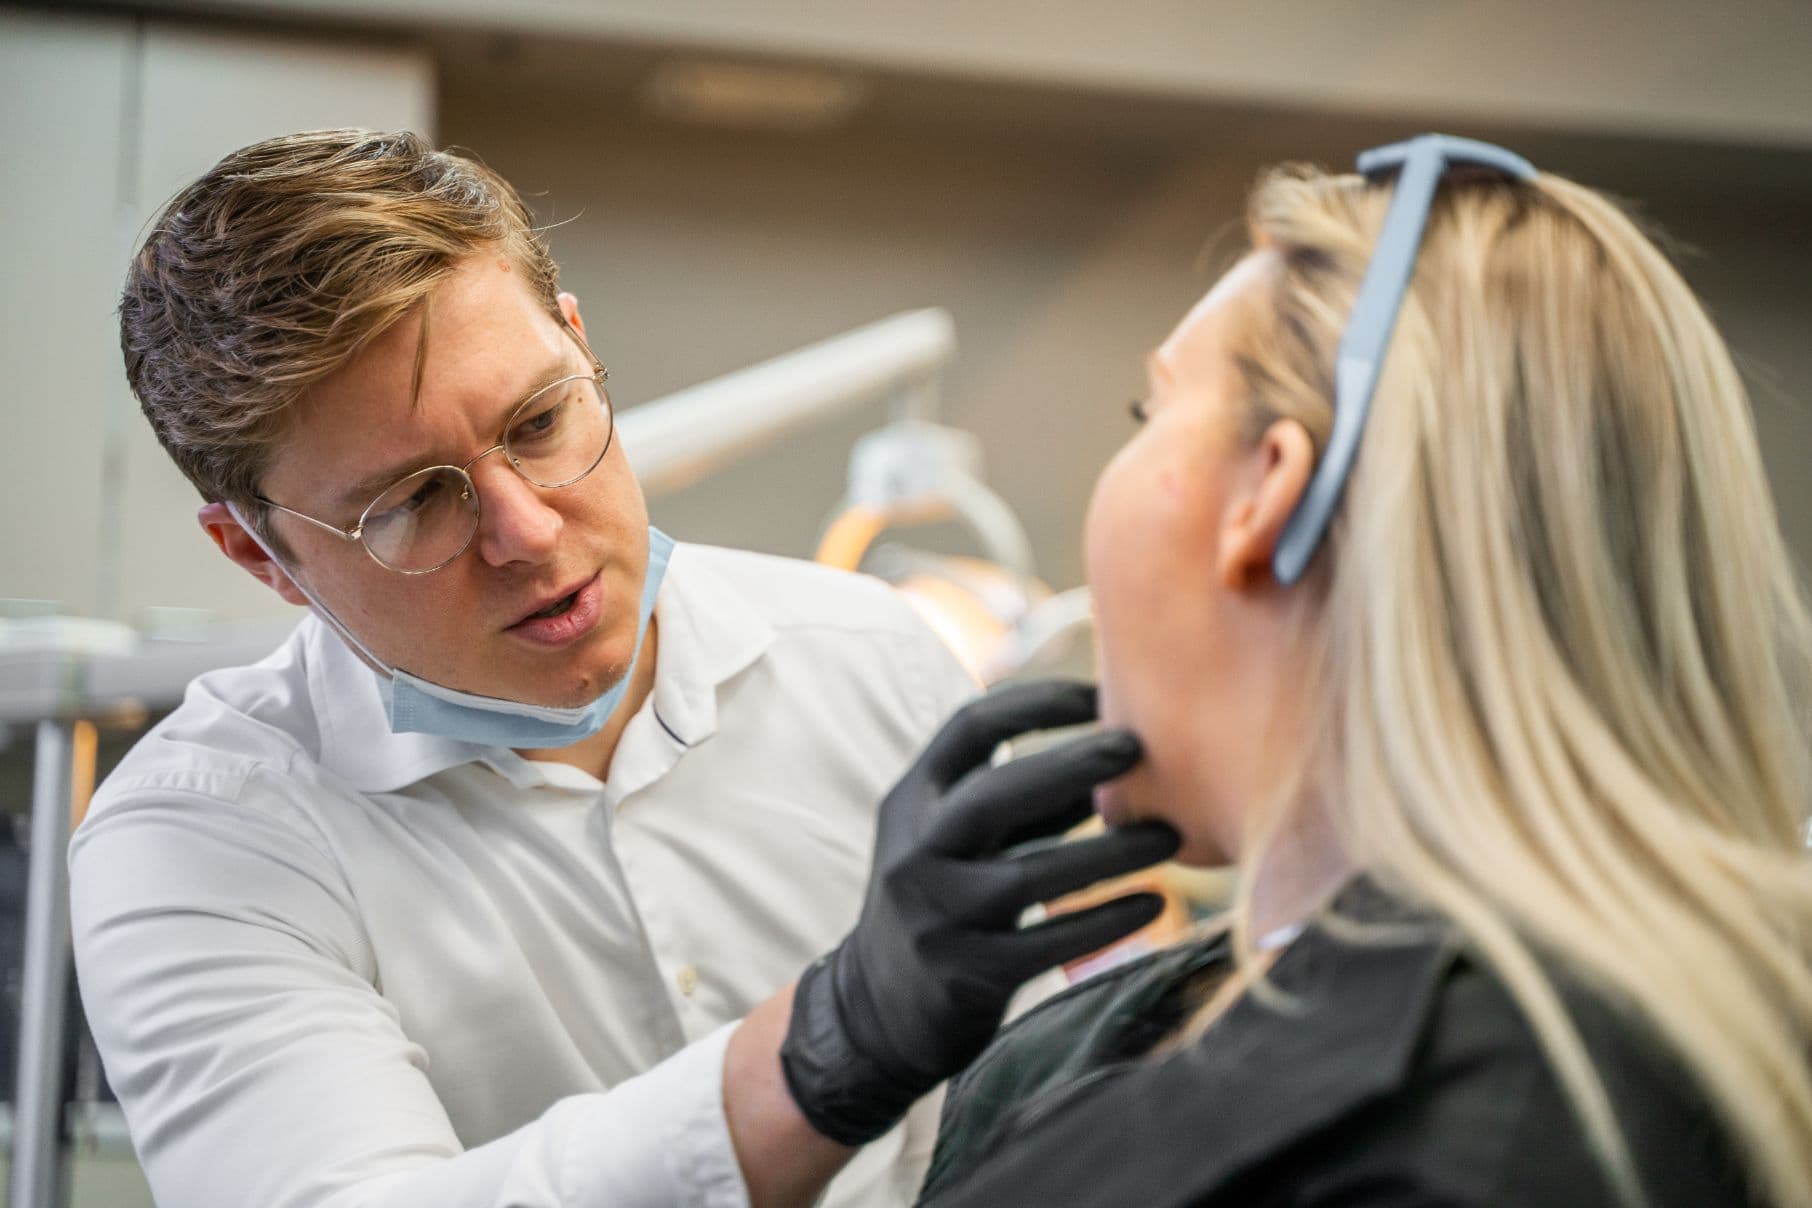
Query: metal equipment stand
(37, 1161)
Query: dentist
(490, 886)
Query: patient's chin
(1108, 805)
(1199, 851)
(1116, 805)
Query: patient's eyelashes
(1136, 409)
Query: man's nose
(516, 524)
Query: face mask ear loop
(325, 613)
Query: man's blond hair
(279, 265)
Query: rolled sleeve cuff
(667, 1134)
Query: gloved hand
(918, 988)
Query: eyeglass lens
(555, 438)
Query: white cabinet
(105, 118)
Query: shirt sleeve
(237, 1009)
(936, 679)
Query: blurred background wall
(727, 180)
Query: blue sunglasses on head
(1420, 163)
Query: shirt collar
(708, 633)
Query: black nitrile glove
(917, 989)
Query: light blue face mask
(419, 706)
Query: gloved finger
(1042, 794)
(1052, 872)
(1072, 935)
(973, 732)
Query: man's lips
(571, 623)
(548, 601)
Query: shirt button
(687, 979)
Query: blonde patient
(1516, 774)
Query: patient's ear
(1270, 481)
(224, 529)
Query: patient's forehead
(1197, 347)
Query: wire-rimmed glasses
(424, 520)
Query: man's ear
(218, 522)
(569, 306)
(1266, 493)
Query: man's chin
(580, 686)
(572, 695)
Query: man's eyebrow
(365, 490)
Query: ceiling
(1733, 73)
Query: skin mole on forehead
(503, 263)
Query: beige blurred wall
(1063, 258)
(1062, 224)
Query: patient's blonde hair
(1560, 655)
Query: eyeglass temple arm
(1423, 161)
(341, 533)
(597, 366)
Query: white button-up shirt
(331, 965)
